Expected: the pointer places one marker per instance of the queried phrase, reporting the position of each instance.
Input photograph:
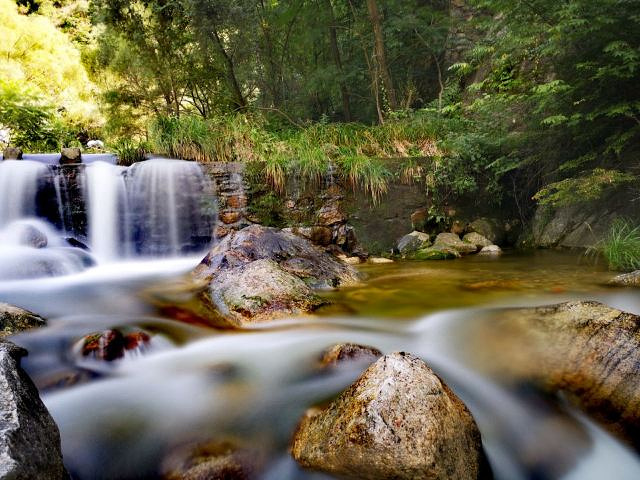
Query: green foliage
(31, 124)
(621, 246)
(581, 189)
(129, 151)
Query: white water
(105, 191)
(165, 199)
(18, 188)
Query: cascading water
(167, 214)
(106, 195)
(19, 183)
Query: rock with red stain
(112, 344)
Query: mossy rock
(436, 253)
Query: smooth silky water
(195, 383)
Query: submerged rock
(15, 319)
(217, 459)
(626, 279)
(261, 273)
(113, 344)
(398, 420)
(412, 242)
(29, 438)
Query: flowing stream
(119, 419)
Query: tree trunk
(238, 98)
(380, 56)
(335, 51)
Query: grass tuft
(621, 246)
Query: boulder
(70, 155)
(15, 319)
(344, 352)
(398, 420)
(453, 242)
(587, 350)
(29, 438)
(345, 237)
(412, 242)
(488, 228)
(262, 273)
(474, 238)
(490, 251)
(12, 153)
(626, 279)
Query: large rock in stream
(29, 438)
(398, 420)
(261, 273)
(587, 350)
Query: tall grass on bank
(358, 151)
(621, 246)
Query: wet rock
(318, 235)
(229, 216)
(491, 251)
(70, 155)
(437, 252)
(488, 228)
(261, 273)
(345, 237)
(29, 438)
(453, 242)
(344, 352)
(331, 214)
(74, 242)
(587, 350)
(216, 459)
(12, 153)
(474, 238)
(398, 420)
(627, 279)
(379, 260)
(412, 242)
(15, 319)
(111, 345)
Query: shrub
(621, 246)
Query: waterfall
(156, 208)
(168, 216)
(19, 181)
(105, 195)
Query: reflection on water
(198, 384)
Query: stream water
(119, 419)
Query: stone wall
(229, 187)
